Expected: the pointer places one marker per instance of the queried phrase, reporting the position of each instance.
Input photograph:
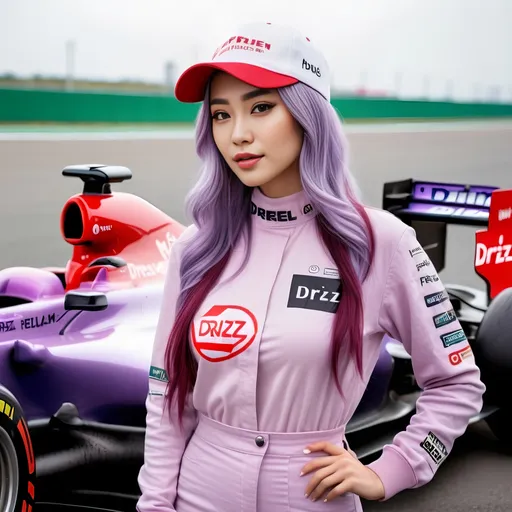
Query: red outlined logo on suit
(458, 356)
(224, 332)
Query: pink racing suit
(264, 388)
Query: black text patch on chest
(311, 292)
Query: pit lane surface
(477, 476)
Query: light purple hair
(219, 205)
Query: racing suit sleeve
(164, 440)
(417, 311)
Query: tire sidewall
(500, 423)
(15, 425)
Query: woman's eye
(218, 116)
(262, 107)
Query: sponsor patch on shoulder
(425, 263)
(444, 318)
(156, 373)
(417, 250)
(435, 448)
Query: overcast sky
(438, 47)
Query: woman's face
(256, 135)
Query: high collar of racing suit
(280, 212)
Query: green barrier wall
(24, 105)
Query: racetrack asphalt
(476, 476)
(164, 166)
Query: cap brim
(191, 86)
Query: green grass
(91, 127)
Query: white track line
(171, 134)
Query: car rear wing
(429, 207)
(493, 250)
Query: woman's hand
(338, 473)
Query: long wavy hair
(342, 224)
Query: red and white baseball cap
(264, 55)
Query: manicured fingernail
(306, 495)
(302, 473)
(306, 451)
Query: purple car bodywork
(98, 361)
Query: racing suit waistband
(252, 441)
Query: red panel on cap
(191, 85)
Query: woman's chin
(254, 178)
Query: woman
(276, 303)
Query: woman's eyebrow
(247, 96)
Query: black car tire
(492, 348)
(17, 461)
(500, 423)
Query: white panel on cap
(278, 48)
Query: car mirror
(85, 301)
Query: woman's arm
(416, 311)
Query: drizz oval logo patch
(312, 292)
(224, 332)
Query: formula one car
(76, 342)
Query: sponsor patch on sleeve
(444, 318)
(435, 448)
(156, 373)
(457, 356)
(433, 299)
(429, 279)
(453, 337)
